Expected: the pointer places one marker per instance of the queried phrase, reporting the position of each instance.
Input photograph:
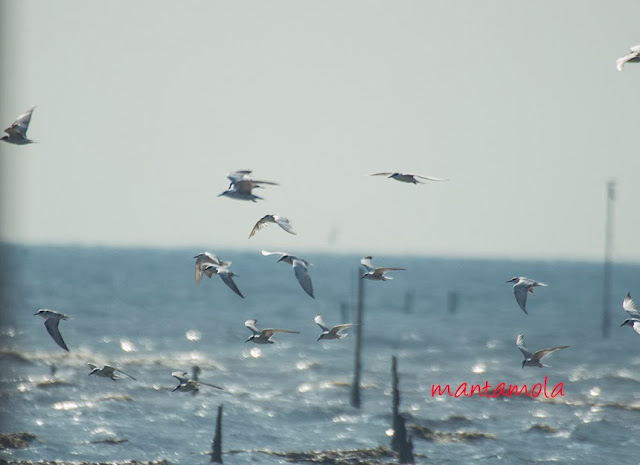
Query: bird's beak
(362, 277)
(624, 323)
(319, 337)
(281, 258)
(35, 314)
(247, 340)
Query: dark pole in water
(452, 301)
(216, 449)
(395, 440)
(355, 387)
(608, 244)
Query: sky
(144, 107)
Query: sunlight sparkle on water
(479, 368)
(255, 352)
(193, 335)
(127, 346)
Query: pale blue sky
(144, 107)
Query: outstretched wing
(262, 222)
(366, 262)
(180, 376)
(520, 291)
(284, 223)
(251, 324)
(337, 328)
(52, 328)
(522, 347)
(226, 276)
(430, 178)
(381, 174)
(318, 320)
(21, 124)
(620, 62)
(630, 307)
(302, 275)
(266, 253)
(544, 352)
(126, 374)
(212, 385)
(268, 332)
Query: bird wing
(284, 223)
(522, 347)
(630, 306)
(337, 328)
(302, 275)
(212, 385)
(180, 376)
(366, 262)
(251, 324)
(92, 366)
(381, 174)
(239, 175)
(382, 270)
(544, 352)
(266, 253)
(520, 291)
(126, 374)
(430, 178)
(318, 320)
(21, 124)
(225, 275)
(262, 222)
(636, 326)
(52, 328)
(268, 332)
(620, 62)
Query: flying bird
(186, 384)
(264, 336)
(299, 269)
(408, 177)
(533, 360)
(631, 308)
(17, 132)
(522, 287)
(107, 372)
(373, 273)
(52, 319)
(207, 257)
(225, 274)
(281, 221)
(634, 56)
(333, 333)
(242, 185)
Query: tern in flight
(629, 306)
(533, 360)
(264, 336)
(52, 319)
(202, 259)
(299, 269)
(333, 333)
(523, 286)
(242, 185)
(281, 221)
(225, 274)
(373, 273)
(634, 56)
(187, 385)
(17, 132)
(107, 372)
(408, 177)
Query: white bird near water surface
(264, 336)
(299, 269)
(242, 185)
(187, 385)
(52, 319)
(408, 177)
(629, 306)
(533, 360)
(17, 132)
(634, 56)
(523, 286)
(107, 371)
(281, 221)
(333, 333)
(376, 274)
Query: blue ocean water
(141, 311)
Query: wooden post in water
(216, 448)
(355, 387)
(608, 243)
(401, 442)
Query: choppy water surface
(141, 311)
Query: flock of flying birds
(241, 188)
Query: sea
(448, 321)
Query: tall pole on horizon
(608, 245)
(355, 386)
